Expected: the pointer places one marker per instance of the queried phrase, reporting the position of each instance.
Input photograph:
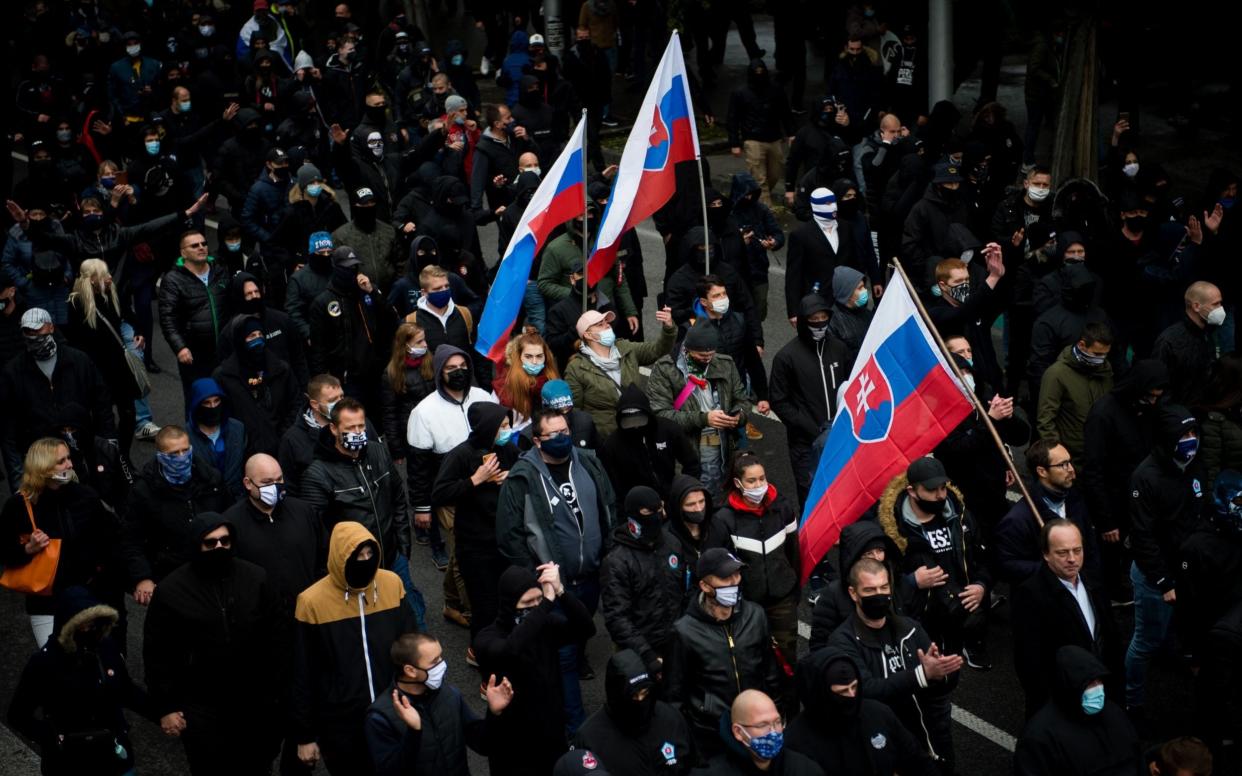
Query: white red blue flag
(663, 135)
(560, 197)
(901, 400)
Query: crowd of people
(336, 415)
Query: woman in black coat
(62, 509)
(95, 328)
(406, 381)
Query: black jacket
(759, 110)
(36, 403)
(158, 517)
(492, 158)
(1046, 617)
(643, 590)
(811, 260)
(297, 450)
(765, 537)
(1117, 435)
(625, 739)
(398, 406)
(806, 376)
(864, 737)
(351, 332)
(267, 409)
(1166, 502)
(364, 490)
(680, 292)
(835, 605)
(925, 235)
(475, 522)
(1063, 739)
(1061, 324)
(105, 348)
(713, 661)
(279, 331)
(890, 672)
(192, 312)
(972, 320)
(229, 622)
(1187, 352)
(1016, 538)
(289, 544)
(648, 455)
(449, 727)
(736, 759)
(526, 654)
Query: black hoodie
(683, 485)
(728, 257)
(835, 605)
(636, 738)
(279, 331)
(1062, 324)
(1063, 739)
(759, 111)
(1117, 435)
(450, 221)
(211, 633)
(806, 376)
(261, 390)
(475, 525)
(648, 455)
(861, 738)
(1166, 501)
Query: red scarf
(740, 504)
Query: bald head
(263, 473)
(754, 715)
(1203, 304)
(528, 160)
(890, 122)
(262, 465)
(1202, 292)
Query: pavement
(987, 706)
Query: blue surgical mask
(864, 296)
(456, 60)
(354, 441)
(232, 247)
(256, 345)
(440, 298)
(1226, 202)
(176, 467)
(185, 106)
(1093, 700)
(504, 437)
(558, 446)
(607, 338)
(768, 745)
(314, 189)
(92, 220)
(107, 181)
(153, 147)
(534, 370)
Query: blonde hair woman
(61, 508)
(98, 327)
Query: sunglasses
(211, 543)
(196, 245)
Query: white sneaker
(146, 432)
(485, 66)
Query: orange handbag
(37, 576)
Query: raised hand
(408, 713)
(499, 696)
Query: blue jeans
(1152, 618)
(401, 567)
(587, 591)
(141, 405)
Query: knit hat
(556, 395)
(307, 174)
(824, 205)
(702, 337)
(454, 102)
(840, 670)
(320, 241)
(844, 281)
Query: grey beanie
(454, 102)
(308, 173)
(844, 281)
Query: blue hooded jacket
(512, 69)
(227, 452)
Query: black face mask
(346, 279)
(377, 114)
(932, 506)
(89, 638)
(458, 380)
(875, 606)
(359, 573)
(695, 516)
(364, 218)
(1136, 224)
(716, 217)
(214, 563)
(252, 306)
(847, 208)
(210, 416)
(319, 263)
(633, 715)
(949, 195)
(648, 527)
(843, 707)
(532, 99)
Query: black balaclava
(644, 528)
(346, 280)
(359, 573)
(625, 676)
(841, 671)
(514, 583)
(364, 218)
(251, 355)
(215, 563)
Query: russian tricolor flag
(560, 197)
(663, 135)
(901, 400)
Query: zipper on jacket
(379, 529)
(918, 707)
(737, 676)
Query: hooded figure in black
(690, 526)
(1061, 325)
(522, 645)
(835, 605)
(644, 581)
(71, 695)
(260, 387)
(241, 158)
(537, 116)
(849, 734)
(1067, 738)
(209, 647)
(681, 290)
(279, 332)
(450, 222)
(635, 733)
(806, 375)
(645, 449)
(474, 527)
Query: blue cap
(556, 395)
(320, 241)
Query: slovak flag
(560, 197)
(901, 400)
(663, 135)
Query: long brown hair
(396, 363)
(518, 385)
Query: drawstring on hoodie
(366, 647)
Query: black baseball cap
(718, 562)
(344, 256)
(927, 472)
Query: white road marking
(971, 722)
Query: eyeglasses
(196, 245)
(1065, 465)
(776, 725)
(210, 543)
(555, 434)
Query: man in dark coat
(191, 305)
(210, 650)
(636, 732)
(759, 122)
(751, 732)
(1080, 729)
(280, 334)
(926, 229)
(1187, 348)
(839, 728)
(643, 581)
(682, 289)
(646, 448)
(861, 539)
(536, 615)
(815, 249)
(963, 305)
(260, 388)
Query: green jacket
(667, 381)
(554, 270)
(596, 393)
(1220, 446)
(1065, 397)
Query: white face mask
(1038, 193)
(970, 381)
(755, 495)
(1130, 169)
(535, 170)
(435, 676)
(721, 306)
(133, 51)
(1216, 317)
(728, 595)
(64, 476)
(271, 494)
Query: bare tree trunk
(1075, 151)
